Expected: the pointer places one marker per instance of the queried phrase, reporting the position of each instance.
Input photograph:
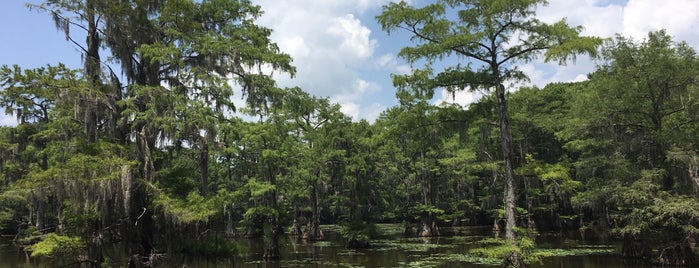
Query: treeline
(155, 158)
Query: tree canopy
(154, 158)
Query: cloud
(606, 18)
(463, 98)
(341, 53)
(330, 46)
(8, 120)
(597, 19)
(679, 17)
(388, 62)
(354, 37)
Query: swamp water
(390, 250)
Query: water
(390, 250)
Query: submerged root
(635, 250)
(514, 259)
(677, 255)
(428, 229)
(313, 232)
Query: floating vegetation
(409, 245)
(310, 262)
(331, 228)
(559, 252)
(438, 260)
(324, 244)
(389, 229)
(350, 253)
(421, 263)
(466, 240)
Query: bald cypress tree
(179, 62)
(487, 38)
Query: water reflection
(391, 249)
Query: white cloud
(679, 17)
(8, 120)
(354, 37)
(360, 88)
(607, 18)
(329, 45)
(295, 45)
(349, 108)
(463, 97)
(372, 111)
(335, 51)
(597, 20)
(635, 19)
(579, 78)
(390, 63)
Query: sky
(341, 52)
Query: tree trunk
(513, 259)
(141, 221)
(693, 171)
(408, 216)
(230, 223)
(506, 143)
(230, 220)
(428, 228)
(680, 254)
(272, 251)
(38, 199)
(140, 216)
(93, 72)
(313, 232)
(204, 165)
(95, 249)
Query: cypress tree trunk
(272, 251)
(39, 206)
(408, 231)
(514, 258)
(506, 143)
(140, 217)
(314, 232)
(230, 223)
(204, 165)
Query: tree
(180, 61)
(492, 36)
(319, 132)
(634, 155)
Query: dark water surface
(390, 250)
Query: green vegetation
(155, 160)
(52, 244)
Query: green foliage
(13, 203)
(53, 245)
(95, 151)
(477, 35)
(555, 177)
(421, 209)
(258, 188)
(194, 208)
(494, 250)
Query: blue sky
(30, 40)
(340, 51)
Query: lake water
(390, 250)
